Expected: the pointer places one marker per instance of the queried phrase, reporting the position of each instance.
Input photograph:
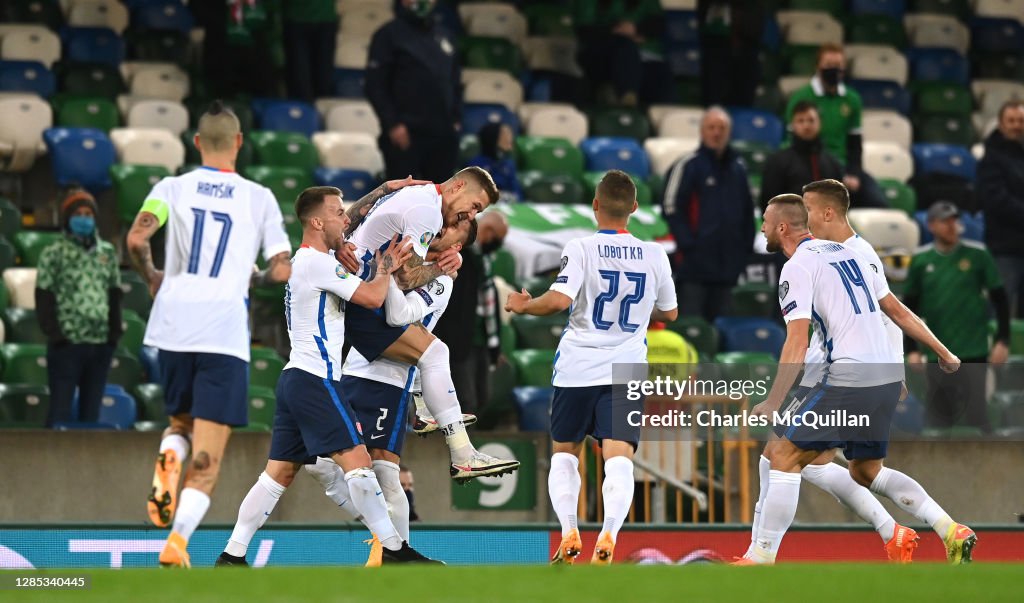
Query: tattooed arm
(358, 210)
(140, 251)
(372, 293)
(278, 269)
(414, 273)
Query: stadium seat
(552, 156)
(974, 230)
(349, 82)
(94, 79)
(899, 195)
(665, 152)
(533, 406)
(883, 63)
(938, 65)
(755, 299)
(504, 265)
(496, 88)
(24, 405)
(876, 29)
(754, 155)
(80, 155)
(349, 150)
(10, 219)
(23, 363)
(744, 334)
(886, 229)
(552, 55)
(956, 8)
(166, 15)
(353, 183)
(285, 182)
(22, 326)
(86, 112)
(539, 187)
(283, 149)
(125, 370)
(30, 45)
(510, 25)
(490, 53)
(808, 27)
(363, 20)
(262, 405)
(882, 94)
(751, 125)
(937, 31)
(27, 76)
(31, 243)
(135, 293)
(1011, 9)
(131, 184)
(163, 81)
(943, 159)
(677, 122)
(539, 332)
(549, 19)
(944, 129)
(684, 62)
(623, 123)
(941, 98)
(265, 367)
(150, 400)
(351, 52)
(149, 146)
(887, 160)
(47, 12)
(991, 94)
(162, 114)
(289, 116)
(698, 332)
(998, 35)
(21, 287)
(891, 8)
(158, 46)
(746, 365)
(886, 126)
(23, 119)
(604, 153)
(353, 116)
(567, 123)
(476, 116)
(110, 14)
(533, 367)
(93, 45)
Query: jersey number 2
(613, 277)
(852, 277)
(197, 240)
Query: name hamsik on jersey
(833, 286)
(413, 211)
(216, 222)
(615, 280)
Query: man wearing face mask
(413, 83)
(78, 305)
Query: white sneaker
(481, 464)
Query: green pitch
(530, 584)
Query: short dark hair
(1010, 104)
(793, 208)
(479, 177)
(471, 235)
(833, 191)
(616, 194)
(311, 199)
(804, 106)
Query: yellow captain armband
(156, 207)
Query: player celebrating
(830, 283)
(419, 212)
(216, 222)
(313, 418)
(615, 284)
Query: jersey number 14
(852, 277)
(639, 279)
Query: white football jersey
(314, 307)
(833, 287)
(216, 222)
(426, 304)
(615, 281)
(413, 211)
(814, 360)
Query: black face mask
(490, 246)
(831, 76)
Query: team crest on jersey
(873, 267)
(339, 271)
(964, 265)
(783, 289)
(565, 262)
(426, 238)
(436, 287)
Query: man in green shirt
(78, 305)
(947, 286)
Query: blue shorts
(369, 332)
(577, 412)
(214, 387)
(311, 419)
(835, 408)
(382, 408)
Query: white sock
(617, 493)
(178, 443)
(368, 499)
(837, 481)
(192, 507)
(253, 513)
(332, 479)
(564, 489)
(394, 495)
(439, 397)
(777, 514)
(763, 467)
(903, 490)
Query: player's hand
(399, 136)
(950, 363)
(517, 301)
(397, 253)
(999, 354)
(916, 361)
(347, 256)
(764, 409)
(393, 185)
(155, 281)
(450, 260)
(904, 392)
(852, 182)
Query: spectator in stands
(730, 40)
(804, 161)
(475, 351)
(413, 82)
(408, 485)
(310, 30)
(1000, 186)
(495, 156)
(839, 107)
(710, 212)
(947, 285)
(78, 304)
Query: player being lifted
(313, 417)
(419, 212)
(833, 285)
(615, 284)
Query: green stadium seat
(627, 123)
(755, 299)
(23, 363)
(538, 285)
(539, 187)
(262, 405)
(942, 98)
(90, 79)
(131, 185)
(44, 12)
(31, 243)
(945, 129)
(643, 191)
(469, 147)
(899, 195)
(688, 92)
(490, 53)
(8, 257)
(291, 223)
(746, 365)
(545, 19)
(284, 149)
(136, 293)
(699, 332)
(533, 367)
(22, 326)
(998, 66)
(265, 367)
(802, 60)
(553, 156)
(125, 370)
(754, 155)
(1017, 336)
(285, 182)
(539, 332)
(875, 29)
(10, 218)
(24, 405)
(504, 265)
(134, 332)
(507, 334)
(84, 112)
(150, 399)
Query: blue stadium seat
(287, 116)
(118, 410)
(883, 94)
(533, 404)
(604, 153)
(353, 183)
(938, 65)
(974, 226)
(93, 45)
(771, 35)
(684, 61)
(538, 87)
(27, 76)
(682, 28)
(80, 155)
(349, 83)
(166, 15)
(943, 159)
(753, 125)
(997, 35)
(746, 334)
(891, 8)
(477, 115)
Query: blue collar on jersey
(610, 231)
(804, 240)
(213, 169)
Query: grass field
(862, 583)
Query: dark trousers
(429, 156)
(729, 74)
(309, 56)
(614, 60)
(869, 194)
(472, 378)
(1011, 270)
(958, 398)
(77, 365)
(707, 300)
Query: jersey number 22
(614, 277)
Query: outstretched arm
(550, 303)
(912, 325)
(141, 253)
